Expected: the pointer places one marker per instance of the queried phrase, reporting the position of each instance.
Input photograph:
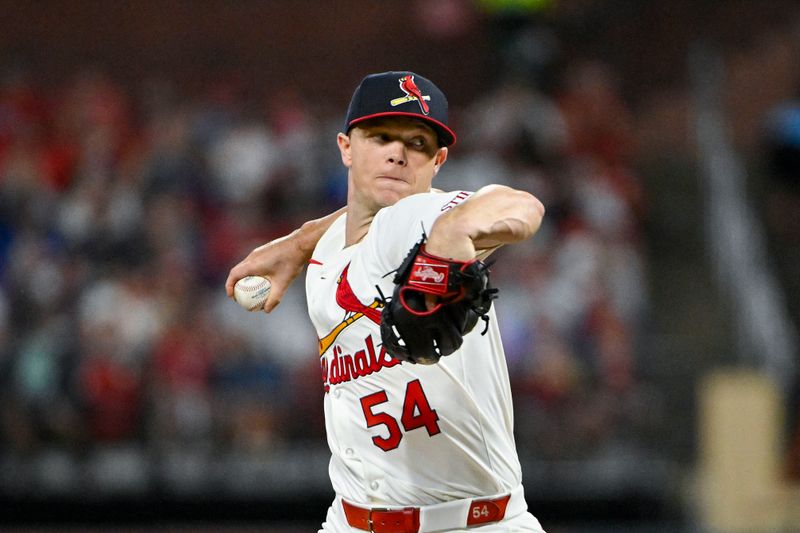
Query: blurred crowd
(123, 206)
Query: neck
(359, 218)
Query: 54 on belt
(407, 519)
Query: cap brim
(446, 136)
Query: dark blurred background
(146, 147)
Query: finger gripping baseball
(412, 330)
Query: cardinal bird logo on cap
(409, 87)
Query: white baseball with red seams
(251, 292)
(402, 434)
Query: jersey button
(374, 485)
(349, 452)
(337, 393)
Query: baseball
(251, 292)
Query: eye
(418, 143)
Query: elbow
(507, 216)
(529, 202)
(533, 210)
(536, 206)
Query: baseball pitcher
(418, 406)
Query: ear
(439, 159)
(344, 149)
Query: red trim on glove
(430, 274)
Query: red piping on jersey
(313, 262)
(347, 299)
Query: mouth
(392, 178)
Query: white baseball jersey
(403, 434)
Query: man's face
(388, 159)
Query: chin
(385, 198)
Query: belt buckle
(405, 520)
(373, 510)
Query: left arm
(493, 216)
(430, 311)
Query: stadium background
(146, 147)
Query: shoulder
(437, 199)
(397, 228)
(424, 205)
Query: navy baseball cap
(404, 94)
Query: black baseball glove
(462, 294)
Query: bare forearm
(301, 241)
(493, 216)
(283, 259)
(310, 232)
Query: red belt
(406, 520)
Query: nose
(397, 154)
